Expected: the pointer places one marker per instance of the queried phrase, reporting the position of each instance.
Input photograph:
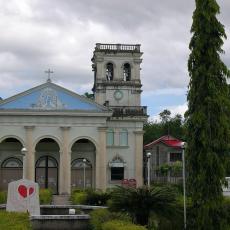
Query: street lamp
(183, 146)
(23, 152)
(148, 162)
(84, 162)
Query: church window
(123, 137)
(117, 166)
(12, 163)
(117, 173)
(109, 72)
(110, 137)
(127, 72)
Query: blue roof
(50, 96)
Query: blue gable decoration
(49, 96)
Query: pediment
(48, 97)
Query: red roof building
(166, 150)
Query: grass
(3, 197)
(14, 221)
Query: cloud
(61, 35)
(176, 109)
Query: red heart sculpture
(22, 190)
(31, 190)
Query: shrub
(3, 197)
(121, 225)
(14, 221)
(102, 215)
(45, 196)
(78, 197)
(97, 197)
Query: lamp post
(23, 152)
(183, 146)
(84, 162)
(148, 157)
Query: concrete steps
(61, 200)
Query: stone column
(65, 163)
(29, 158)
(101, 160)
(139, 157)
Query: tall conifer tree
(207, 117)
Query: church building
(63, 140)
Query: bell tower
(117, 74)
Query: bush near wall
(121, 225)
(97, 197)
(45, 196)
(90, 197)
(78, 197)
(3, 197)
(14, 221)
(100, 216)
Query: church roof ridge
(92, 104)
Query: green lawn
(14, 221)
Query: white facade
(72, 141)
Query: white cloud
(176, 109)
(61, 35)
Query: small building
(165, 159)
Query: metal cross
(49, 72)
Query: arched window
(110, 137)
(47, 161)
(127, 72)
(109, 72)
(79, 163)
(12, 163)
(123, 137)
(10, 170)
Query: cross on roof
(49, 72)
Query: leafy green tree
(207, 118)
(165, 116)
(142, 202)
(173, 126)
(89, 95)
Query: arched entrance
(46, 173)
(47, 164)
(11, 166)
(83, 164)
(81, 173)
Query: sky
(61, 35)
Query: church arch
(48, 137)
(83, 137)
(83, 163)
(10, 161)
(47, 158)
(13, 137)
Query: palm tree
(142, 202)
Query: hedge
(121, 225)
(14, 221)
(100, 216)
(78, 197)
(90, 197)
(45, 196)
